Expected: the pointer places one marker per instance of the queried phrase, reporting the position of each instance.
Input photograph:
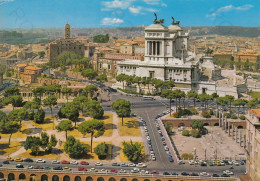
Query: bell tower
(67, 31)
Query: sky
(126, 13)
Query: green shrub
(205, 114)
(195, 133)
(176, 115)
(194, 111)
(185, 132)
(227, 115)
(187, 156)
(101, 150)
(242, 117)
(233, 116)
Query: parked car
(98, 164)
(185, 174)
(18, 159)
(73, 162)
(30, 167)
(65, 162)
(131, 165)
(194, 174)
(180, 162)
(124, 165)
(38, 167)
(115, 164)
(154, 172)
(84, 163)
(40, 161)
(82, 169)
(6, 162)
(215, 175)
(55, 162)
(135, 170)
(28, 160)
(47, 168)
(9, 158)
(166, 173)
(19, 166)
(57, 168)
(204, 174)
(67, 168)
(141, 165)
(175, 173)
(113, 170)
(122, 171)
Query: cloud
(229, 8)
(141, 10)
(5, 1)
(123, 4)
(112, 21)
(152, 2)
(163, 4)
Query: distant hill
(45, 35)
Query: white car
(141, 165)
(103, 171)
(135, 170)
(146, 134)
(166, 148)
(99, 164)
(30, 167)
(159, 131)
(73, 162)
(122, 171)
(55, 162)
(204, 174)
(191, 162)
(148, 138)
(144, 172)
(94, 170)
(131, 165)
(228, 172)
(153, 158)
(40, 161)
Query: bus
(148, 98)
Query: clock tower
(67, 31)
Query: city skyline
(117, 13)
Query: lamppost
(194, 149)
(55, 118)
(205, 154)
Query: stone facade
(253, 144)
(27, 73)
(66, 44)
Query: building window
(100, 65)
(109, 67)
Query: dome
(174, 28)
(156, 27)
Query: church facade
(67, 44)
(167, 58)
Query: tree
(168, 127)
(95, 109)
(138, 81)
(122, 108)
(46, 143)
(89, 73)
(221, 101)
(39, 116)
(169, 94)
(11, 91)
(50, 101)
(101, 150)
(247, 64)
(197, 124)
(74, 148)
(194, 95)
(67, 91)
(122, 78)
(208, 51)
(71, 111)
(38, 92)
(239, 103)
(81, 102)
(33, 143)
(185, 132)
(18, 115)
(178, 95)
(44, 140)
(205, 98)
(195, 133)
(230, 100)
(31, 105)
(90, 90)
(133, 151)
(94, 127)
(65, 125)
(101, 78)
(15, 100)
(11, 127)
(253, 103)
(41, 54)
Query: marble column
(225, 124)
(240, 137)
(245, 141)
(219, 119)
(228, 128)
(236, 135)
(222, 121)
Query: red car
(65, 162)
(113, 170)
(154, 172)
(82, 169)
(84, 163)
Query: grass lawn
(254, 94)
(6, 149)
(42, 154)
(123, 158)
(93, 156)
(130, 127)
(20, 134)
(108, 121)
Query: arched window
(240, 127)
(32, 177)
(2, 175)
(22, 176)
(134, 179)
(55, 178)
(123, 179)
(100, 179)
(89, 179)
(11, 176)
(44, 178)
(146, 180)
(111, 179)
(181, 124)
(66, 178)
(216, 124)
(77, 178)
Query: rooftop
(255, 112)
